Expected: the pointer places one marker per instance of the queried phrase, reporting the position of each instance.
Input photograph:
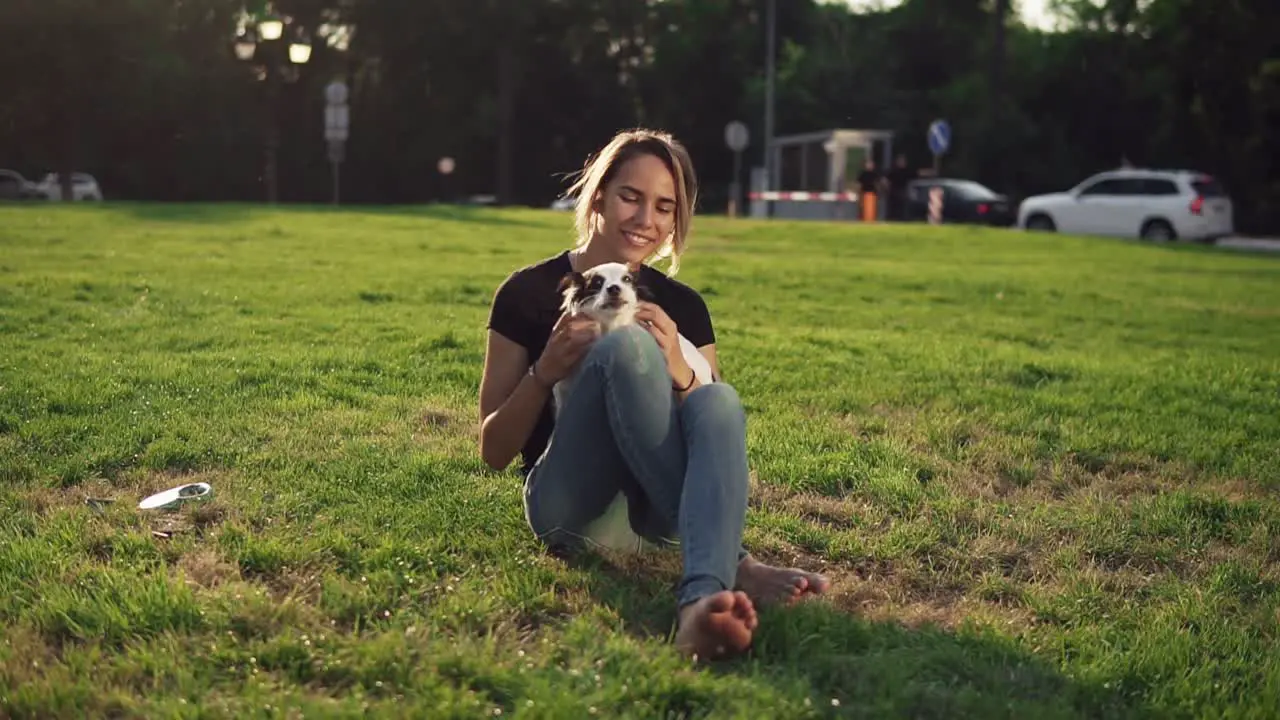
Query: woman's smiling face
(636, 211)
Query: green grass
(1040, 470)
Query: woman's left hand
(660, 325)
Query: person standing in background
(899, 176)
(869, 181)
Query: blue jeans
(681, 466)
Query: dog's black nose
(614, 291)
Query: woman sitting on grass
(637, 424)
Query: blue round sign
(939, 137)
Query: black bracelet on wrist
(693, 376)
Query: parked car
(13, 186)
(963, 201)
(1136, 203)
(83, 187)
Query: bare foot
(766, 584)
(717, 626)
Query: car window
(1158, 186)
(1101, 187)
(1208, 187)
(971, 191)
(1114, 187)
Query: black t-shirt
(867, 180)
(527, 305)
(898, 179)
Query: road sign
(939, 137)
(337, 128)
(335, 93)
(337, 122)
(337, 114)
(736, 136)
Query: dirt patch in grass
(437, 423)
(1249, 569)
(300, 582)
(526, 625)
(992, 475)
(29, 656)
(884, 590)
(433, 420)
(256, 612)
(1238, 490)
(904, 593)
(915, 597)
(454, 421)
(1004, 557)
(117, 501)
(207, 515)
(766, 495)
(985, 580)
(198, 517)
(1022, 561)
(810, 506)
(204, 568)
(96, 494)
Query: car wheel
(1158, 231)
(1041, 223)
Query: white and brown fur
(609, 293)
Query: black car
(963, 201)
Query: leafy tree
(520, 91)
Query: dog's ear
(571, 280)
(642, 292)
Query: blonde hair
(600, 169)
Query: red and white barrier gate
(805, 196)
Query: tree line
(149, 96)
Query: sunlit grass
(1041, 472)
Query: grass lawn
(1041, 471)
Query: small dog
(609, 293)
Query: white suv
(1147, 204)
(83, 187)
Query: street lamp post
(770, 65)
(259, 43)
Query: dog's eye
(626, 279)
(595, 282)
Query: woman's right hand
(570, 339)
